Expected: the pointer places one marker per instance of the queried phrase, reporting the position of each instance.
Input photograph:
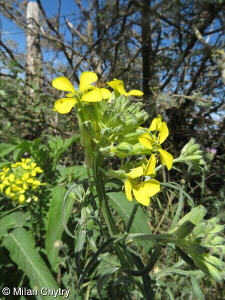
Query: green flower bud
(187, 146)
(196, 249)
(108, 151)
(132, 137)
(105, 132)
(185, 229)
(193, 149)
(193, 157)
(207, 268)
(216, 262)
(217, 240)
(121, 102)
(88, 128)
(217, 229)
(195, 216)
(142, 116)
(135, 107)
(124, 147)
(199, 229)
(107, 116)
(118, 119)
(118, 130)
(131, 122)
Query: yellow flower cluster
(148, 142)
(86, 91)
(134, 184)
(153, 141)
(19, 179)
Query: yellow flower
(22, 198)
(118, 85)
(4, 173)
(86, 92)
(154, 141)
(19, 180)
(141, 190)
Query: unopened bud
(184, 230)
(88, 127)
(124, 147)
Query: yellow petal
(156, 123)
(166, 158)
(92, 96)
(8, 191)
(63, 84)
(127, 185)
(105, 93)
(121, 89)
(136, 172)
(86, 79)
(135, 93)
(151, 186)
(145, 140)
(141, 195)
(64, 105)
(69, 95)
(21, 198)
(114, 83)
(163, 132)
(150, 167)
(11, 177)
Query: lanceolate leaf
(15, 219)
(6, 148)
(55, 225)
(124, 208)
(21, 247)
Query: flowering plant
(110, 126)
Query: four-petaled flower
(141, 190)
(118, 85)
(154, 140)
(86, 92)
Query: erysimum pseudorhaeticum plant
(110, 127)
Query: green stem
(123, 256)
(131, 219)
(102, 197)
(11, 210)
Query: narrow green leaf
(150, 265)
(103, 279)
(176, 186)
(15, 219)
(21, 247)
(172, 270)
(179, 208)
(6, 149)
(197, 289)
(55, 225)
(79, 248)
(124, 207)
(94, 258)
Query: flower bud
(207, 268)
(185, 229)
(108, 151)
(88, 127)
(195, 216)
(124, 147)
(199, 229)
